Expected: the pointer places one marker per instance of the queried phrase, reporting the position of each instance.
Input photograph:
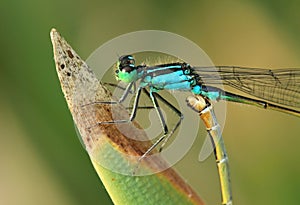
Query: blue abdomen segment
(211, 93)
(197, 90)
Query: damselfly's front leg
(122, 98)
(133, 112)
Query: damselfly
(273, 89)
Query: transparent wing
(281, 86)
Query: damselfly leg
(153, 96)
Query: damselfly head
(126, 62)
(126, 70)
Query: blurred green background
(42, 160)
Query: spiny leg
(127, 90)
(132, 115)
(152, 96)
(172, 107)
(164, 138)
(116, 86)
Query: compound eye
(125, 61)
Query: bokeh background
(42, 160)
